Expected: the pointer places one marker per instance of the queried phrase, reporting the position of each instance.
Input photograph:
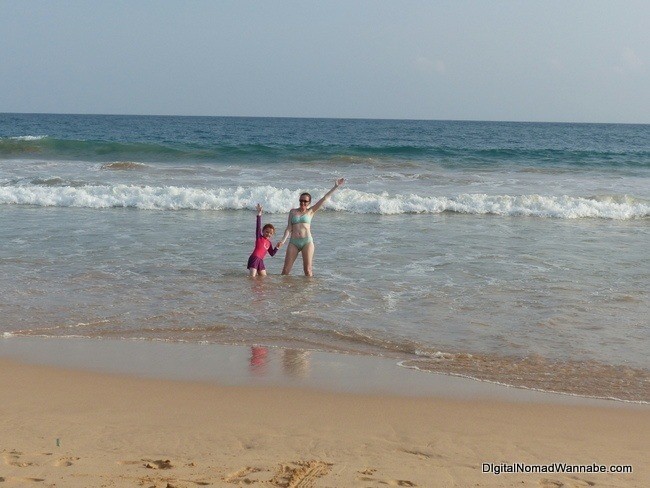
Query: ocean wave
(27, 138)
(124, 166)
(278, 200)
(216, 151)
(50, 148)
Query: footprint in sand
(17, 458)
(367, 476)
(65, 462)
(13, 458)
(300, 474)
(242, 476)
(158, 464)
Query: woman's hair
(306, 195)
(268, 226)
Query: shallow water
(502, 263)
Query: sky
(547, 60)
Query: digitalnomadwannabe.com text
(501, 468)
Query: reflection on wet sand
(295, 362)
(258, 360)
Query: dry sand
(121, 431)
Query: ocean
(515, 253)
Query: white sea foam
(278, 200)
(27, 138)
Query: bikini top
(301, 219)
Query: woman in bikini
(299, 231)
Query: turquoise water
(222, 140)
(509, 252)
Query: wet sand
(66, 426)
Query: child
(262, 245)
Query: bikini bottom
(300, 242)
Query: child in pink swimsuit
(262, 246)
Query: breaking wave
(279, 200)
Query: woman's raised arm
(320, 202)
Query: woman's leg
(308, 258)
(262, 272)
(289, 258)
(252, 272)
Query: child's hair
(268, 226)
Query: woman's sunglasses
(304, 201)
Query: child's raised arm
(258, 227)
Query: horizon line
(326, 118)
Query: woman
(299, 231)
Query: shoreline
(270, 366)
(77, 427)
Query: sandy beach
(73, 428)
(324, 244)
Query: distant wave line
(41, 146)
